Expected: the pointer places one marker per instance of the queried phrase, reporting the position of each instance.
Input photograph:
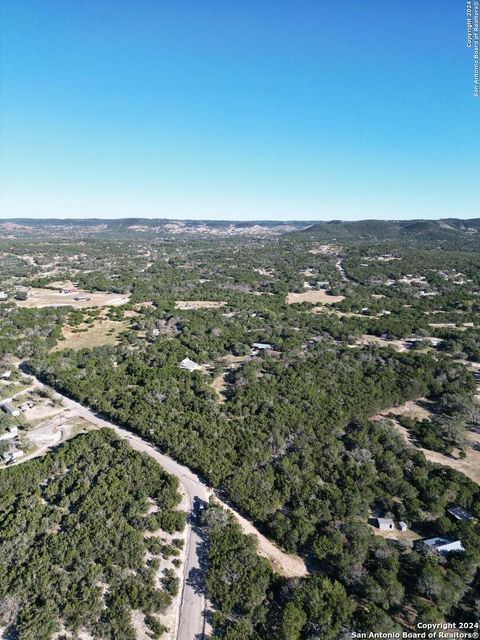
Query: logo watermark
(473, 12)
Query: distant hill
(449, 231)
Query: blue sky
(276, 109)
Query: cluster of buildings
(13, 454)
(11, 431)
(443, 545)
(387, 524)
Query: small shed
(402, 526)
(5, 375)
(262, 346)
(385, 524)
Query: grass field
(101, 333)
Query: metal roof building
(443, 545)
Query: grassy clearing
(101, 333)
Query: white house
(385, 524)
(5, 375)
(189, 365)
(262, 346)
(442, 545)
(402, 526)
(3, 295)
(12, 432)
(10, 409)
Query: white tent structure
(189, 365)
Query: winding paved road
(191, 621)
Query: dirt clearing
(469, 466)
(419, 410)
(324, 249)
(414, 409)
(219, 384)
(366, 340)
(315, 297)
(50, 298)
(290, 566)
(395, 534)
(184, 305)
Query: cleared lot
(198, 304)
(419, 410)
(42, 423)
(50, 298)
(313, 296)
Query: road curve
(191, 621)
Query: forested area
(25, 332)
(72, 547)
(288, 438)
(251, 602)
(298, 455)
(361, 583)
